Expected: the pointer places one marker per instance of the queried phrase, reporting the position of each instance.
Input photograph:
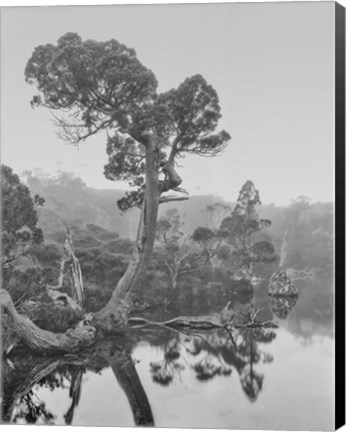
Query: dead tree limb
(169, 198)
(202, 322)
(77, 301)
(76, 273)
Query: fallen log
(198, 323)
(202, 322)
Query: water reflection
(207, 355)
(154, 358)
(20, 399)
(281, 306)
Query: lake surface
(279, 378)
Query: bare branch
(166, 199)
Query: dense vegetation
(191, 267)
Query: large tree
(102, 86)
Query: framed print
(173, 210)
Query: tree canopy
(239, 228)
(99, 86)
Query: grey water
(280, 378)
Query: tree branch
(166, 199)
(37, 339)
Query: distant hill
(68, 201)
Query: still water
(279, 378)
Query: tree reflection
(23, 375)
(32, 410)
(21, 402)
(117, 353)
(163, 372)
(207, 368)
(74, 393)
(281, 306)
(212, 354)
(237, 350)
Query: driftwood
(194, 322)
(201, 322)
(223, 319)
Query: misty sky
(272, 65)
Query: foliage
(56, 319)
(203, 235)
(239, 229)
(101, 82)
(19, 217)
(173, 244)
(104, 86)
(181, 254)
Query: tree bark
(113, 316)
(25, 331)
(75, 271)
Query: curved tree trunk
(24, 330)
(113, 316)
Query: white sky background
(272, 65)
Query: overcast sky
(272, 65)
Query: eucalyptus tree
(240, 227)
(91, 87)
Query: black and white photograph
(168, 207)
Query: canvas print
(167, 196)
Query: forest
(85, 271)
(196, 269)
(192, 254)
